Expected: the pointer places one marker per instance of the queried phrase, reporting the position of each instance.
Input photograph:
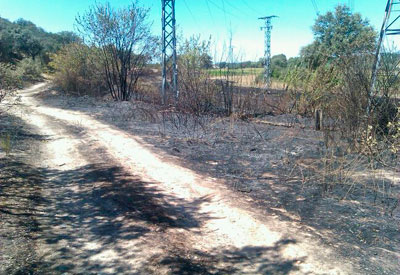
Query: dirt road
(115, 204)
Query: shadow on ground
(356, 228)
(99, 218)
(20, 195)
(95, 209)
(248, 260)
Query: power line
(388, 28)
(222, 8)
(190, 11)
(251, 8)
(235, 8)
(209, 11)
(314, 3)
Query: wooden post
(318, 120)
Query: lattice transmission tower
(267, 49)
(390, 21)
(169, 68)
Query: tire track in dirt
(212, 232)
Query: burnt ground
(20, 195)
(55, 219)
(263, 162)
(259, 161)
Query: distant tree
(124, 38)
(339, 35)
(22, 39)
(194, 54)
(6, 46)
(246, 64)
(222, 65)
(66, 37)
(260, 63)
(295, 61)
(28, 44)
(25, 24)
(279, 60)
(206, 61)
(278, 65)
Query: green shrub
(29, 69)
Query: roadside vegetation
(115, 53)
(25, 51)
(118, 45)
(330, 81)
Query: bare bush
(197, 92)
(343, 175)
(191, 125)
(358, 147)
(125, 43)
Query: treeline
(25, 51)
(279, 64)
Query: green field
(244, 71)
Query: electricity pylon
(169, 68)
(267, 49)
(386, 29)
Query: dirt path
(117, 205)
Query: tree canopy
(22, 38)
(337, 35)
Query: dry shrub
(223, 95)
(77, 70)
(357, 141)
(347, 176)
(190, 125)
(148, 87)
(341, 89)
(14, 76)
(9, 77)
(198, 93)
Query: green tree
(66, 37)
(279, 60)
(334, 73)
(6, 46)
(339, 35)
(278, 65)
(206, 61)
(28, 44)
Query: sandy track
(205, 229)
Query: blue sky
(215, 18)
